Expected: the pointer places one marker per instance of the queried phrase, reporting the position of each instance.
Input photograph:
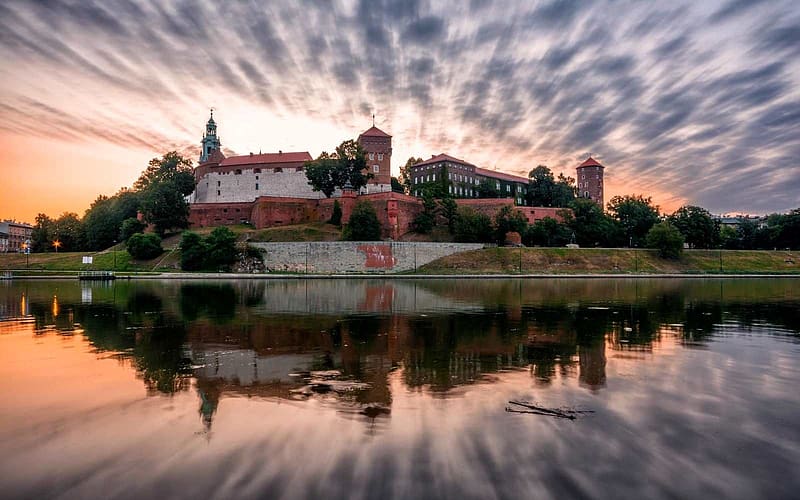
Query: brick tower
(378, 146)
(590, 181)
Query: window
(497, 186)
(278, 169)
(380, 156)
(217, 192)
(376, 168)
(217, 183)
(450, 189)
(258, 170)
(508, 188)
(434, 176)
(256, 177)
(256, 186)
(238, 171)
(416, 180)
(372, 156)
(298, 169)
(586, 194)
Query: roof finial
(212, 112)
(373, 119)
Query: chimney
(251, 153)
(280, 152)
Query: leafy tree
(449, 210)
(193, 251)
(144, 246)
(336, 214)
(405, 172)
(103, 220)
(666, 239)
(729, 238)
(545, 191)
(163, 187)
(68, 231)
(362, 213)
(488, 189)
(472, 226)
(425, 221)
(697, 226)
(396, 186)
(746, 234)
(221, 247)
(548, 232)
(509, 220)
(636, 215)
(591, 226)
(363, 224)
(130, 227)
(347, 164)
(41, 235)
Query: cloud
(688, 99)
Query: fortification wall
(229, 187)
(355, 256)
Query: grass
(72, 262)
(609, 261)
(299, 232)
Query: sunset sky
(690, 101)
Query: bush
(472, 227)
(336, 215)
(144, 246)
(221, 247)
(508, 220)
(130, 227)
(363, 224)
(666, 239)
(193, 251)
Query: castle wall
(228, 186)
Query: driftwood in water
(568, 413)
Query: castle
(271, 189)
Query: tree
(130, 227)
(41, 234)
(636, 215)
(509, 220)
(336, 214)
(545, 191)
(363, 224)
(144, 246)
(221, 248)
(193, 251)
(449, 210)
(396, 186)
(547, 232)
(347, 165)
(68, 231)
(472, 226)
(103, 219)
(163, 187)
(405, 172)
(666, 239)
(425, 221)
(488, 189)
(697, 226)
(590, 225)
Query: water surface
(376, 389)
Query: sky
(687, 102)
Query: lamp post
(56, 244)
(27, 249)
(114, 251)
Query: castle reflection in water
(344, 341)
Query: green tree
(193, 251)
(163, 188)
(729, 238)
(697, 226)
(636, 215)
(103, 220)
(363, 224)
(488, 189)
(666, 239)
(221, 248)
(347, 165)
(509, 220)
(472, 226)
(144, 246)
(41, 235)
(68, 231)
(449, 210)
(336, 214)
(396, 186)
(547, 232)
(545, 191)
(425, 221)
(590, 225)
(323, 174)
(405, 173)
(130, 227)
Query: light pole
(56, 244)
(114, 251)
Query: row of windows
(238, 171)
(372, 156)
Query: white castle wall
(235, 188)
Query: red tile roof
(374, 131)
(215, 157)
(500, 175)
(443, 157)
(590, 162)
(266, 158)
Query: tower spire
(373, 119)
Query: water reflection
(356, 347)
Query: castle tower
(590, 181)
(210, 140)
(378, 146)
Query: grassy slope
(565, 261)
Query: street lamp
(27, 250)
(56, 244)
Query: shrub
(221, 248)
(666, 239)
(130, 227)
(144, 246)
(193, 251)
(336, 215)
(472, 227)
(363, 224)
(508, 220)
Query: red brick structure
(378, 146)
(490, 206)
(590, 180)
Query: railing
(96, 275)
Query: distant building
(463, 179)
(378, 146)
(590, 180)
(14, 236)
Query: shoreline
(345, 276)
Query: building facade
(378, 147)
(15, 236)
(465, 180)
(590, 180)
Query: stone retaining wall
(355, 256)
